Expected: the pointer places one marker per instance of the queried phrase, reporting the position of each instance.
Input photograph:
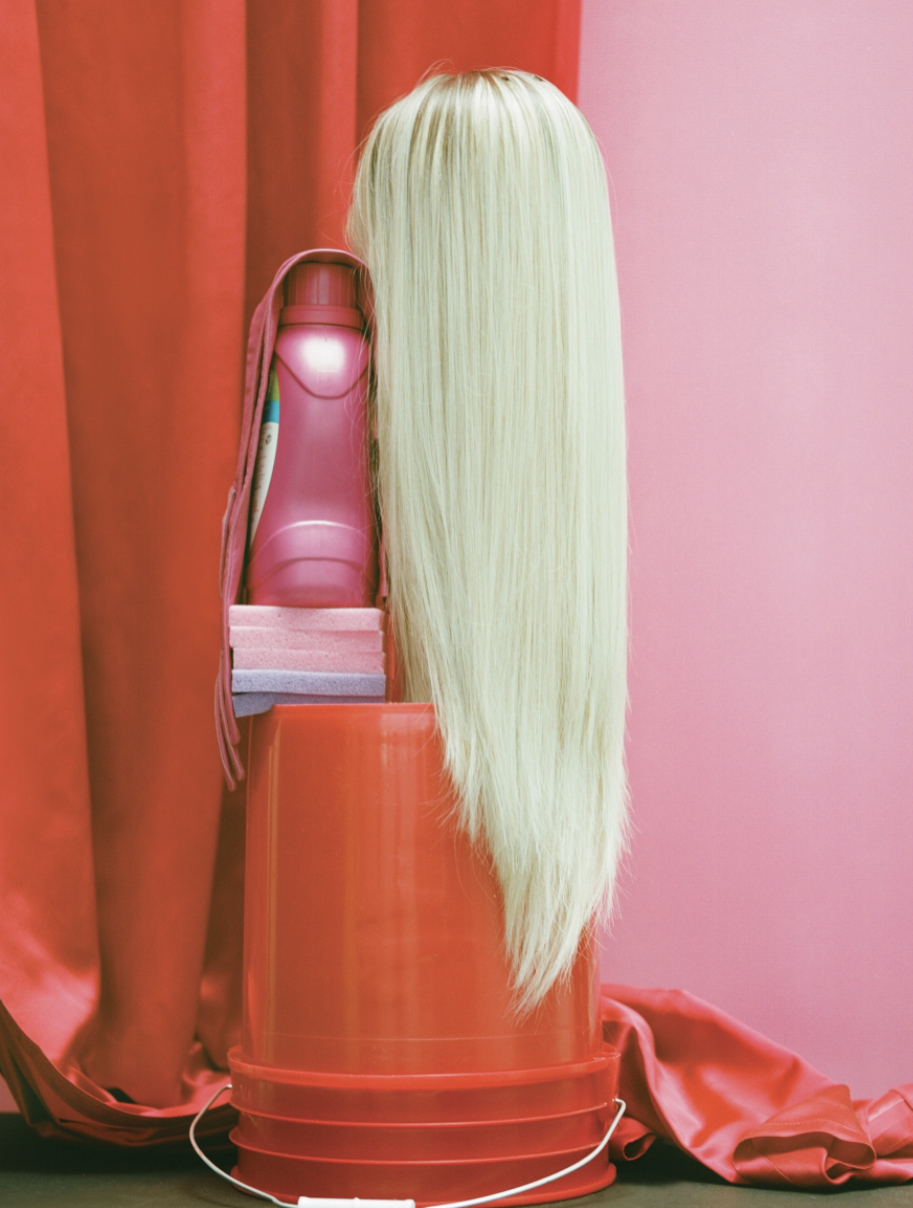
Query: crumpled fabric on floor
(691, 1075)
(64, 1104)
(750, 1110)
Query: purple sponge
(308, 683)
(246, 704)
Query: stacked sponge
(305, 656)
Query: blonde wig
(481, 209)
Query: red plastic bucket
(381, 1055)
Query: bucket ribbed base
(423, 1137)
(427, 1183)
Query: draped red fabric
(159, 162)
(751, 1111)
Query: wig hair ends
(481, 209)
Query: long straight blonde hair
(481, 210)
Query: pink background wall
(761, 166)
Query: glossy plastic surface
(315, 543)
(381, 1054)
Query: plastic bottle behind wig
(481, 209)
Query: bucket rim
(565, 1156)
(437, 1081)
(429, 1125)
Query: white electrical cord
(321, 1202)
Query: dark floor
(39, 1173)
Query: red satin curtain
(159, 160)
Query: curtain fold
(166, 156)
(145, 122)
(49, 945)
(302, 83)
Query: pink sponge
(309, 619)
(336, 657)
(300, 655)
(279, 642)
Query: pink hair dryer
(313, 539)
